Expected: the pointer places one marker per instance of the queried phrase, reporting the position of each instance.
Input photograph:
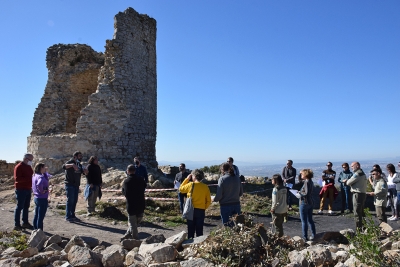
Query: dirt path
(111, 231)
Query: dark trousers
(41, 205)
(72, 199)
(381, 213)
(197, 224)
(278, 223)
(289, 197)
(23, 197)
(358, 208)
(181, 198)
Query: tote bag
(188, 209)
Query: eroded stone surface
(91, 99)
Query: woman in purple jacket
(40, 188)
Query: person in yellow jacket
(201, 199)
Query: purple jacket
(40, 185)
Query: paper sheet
(289, 185)
(293, 191)
(177, 185)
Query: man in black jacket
(73, 172)
(179, 178)
(133, 189)
(289, 179)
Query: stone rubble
(158, 251)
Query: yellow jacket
(201, 198)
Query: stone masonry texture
(100, 104)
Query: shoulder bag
(188, 209)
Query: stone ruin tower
(100, 104)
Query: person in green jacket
(279, 206)
(380, 193)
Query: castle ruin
(100, 104)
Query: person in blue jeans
(229, 191)
(306, 204)
(40, 188)
(344, 188)
(23, 190)
(73, 172)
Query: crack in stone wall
(100, 104)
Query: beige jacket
(380, 193)
(358, 182)
(279, 201)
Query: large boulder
(35, 261)
(114, 256)
(176, 240)
(163, 253)
(82, 256)
(37, 239)
(75, 241)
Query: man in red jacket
(23, 190)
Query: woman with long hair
(394, 190)
(40, 188)
(279, 207)
(306, 204)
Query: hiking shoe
(27, 226)
(126, 236)
(17, 228)
(320, 212)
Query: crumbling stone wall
(104, 105)
(7, 169)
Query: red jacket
(23, 176)
(325, 188)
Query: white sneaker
(391, 217)
(330, 212)
(320, 212)
(394, 219)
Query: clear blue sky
(256, 80)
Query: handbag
(188, 209)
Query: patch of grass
(62, 212)
(174, 221)
(16, 239)
(256, 204)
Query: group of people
(353, 185)
(229, 191)
(36, 180)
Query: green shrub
(367, 245)
(16, 239)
